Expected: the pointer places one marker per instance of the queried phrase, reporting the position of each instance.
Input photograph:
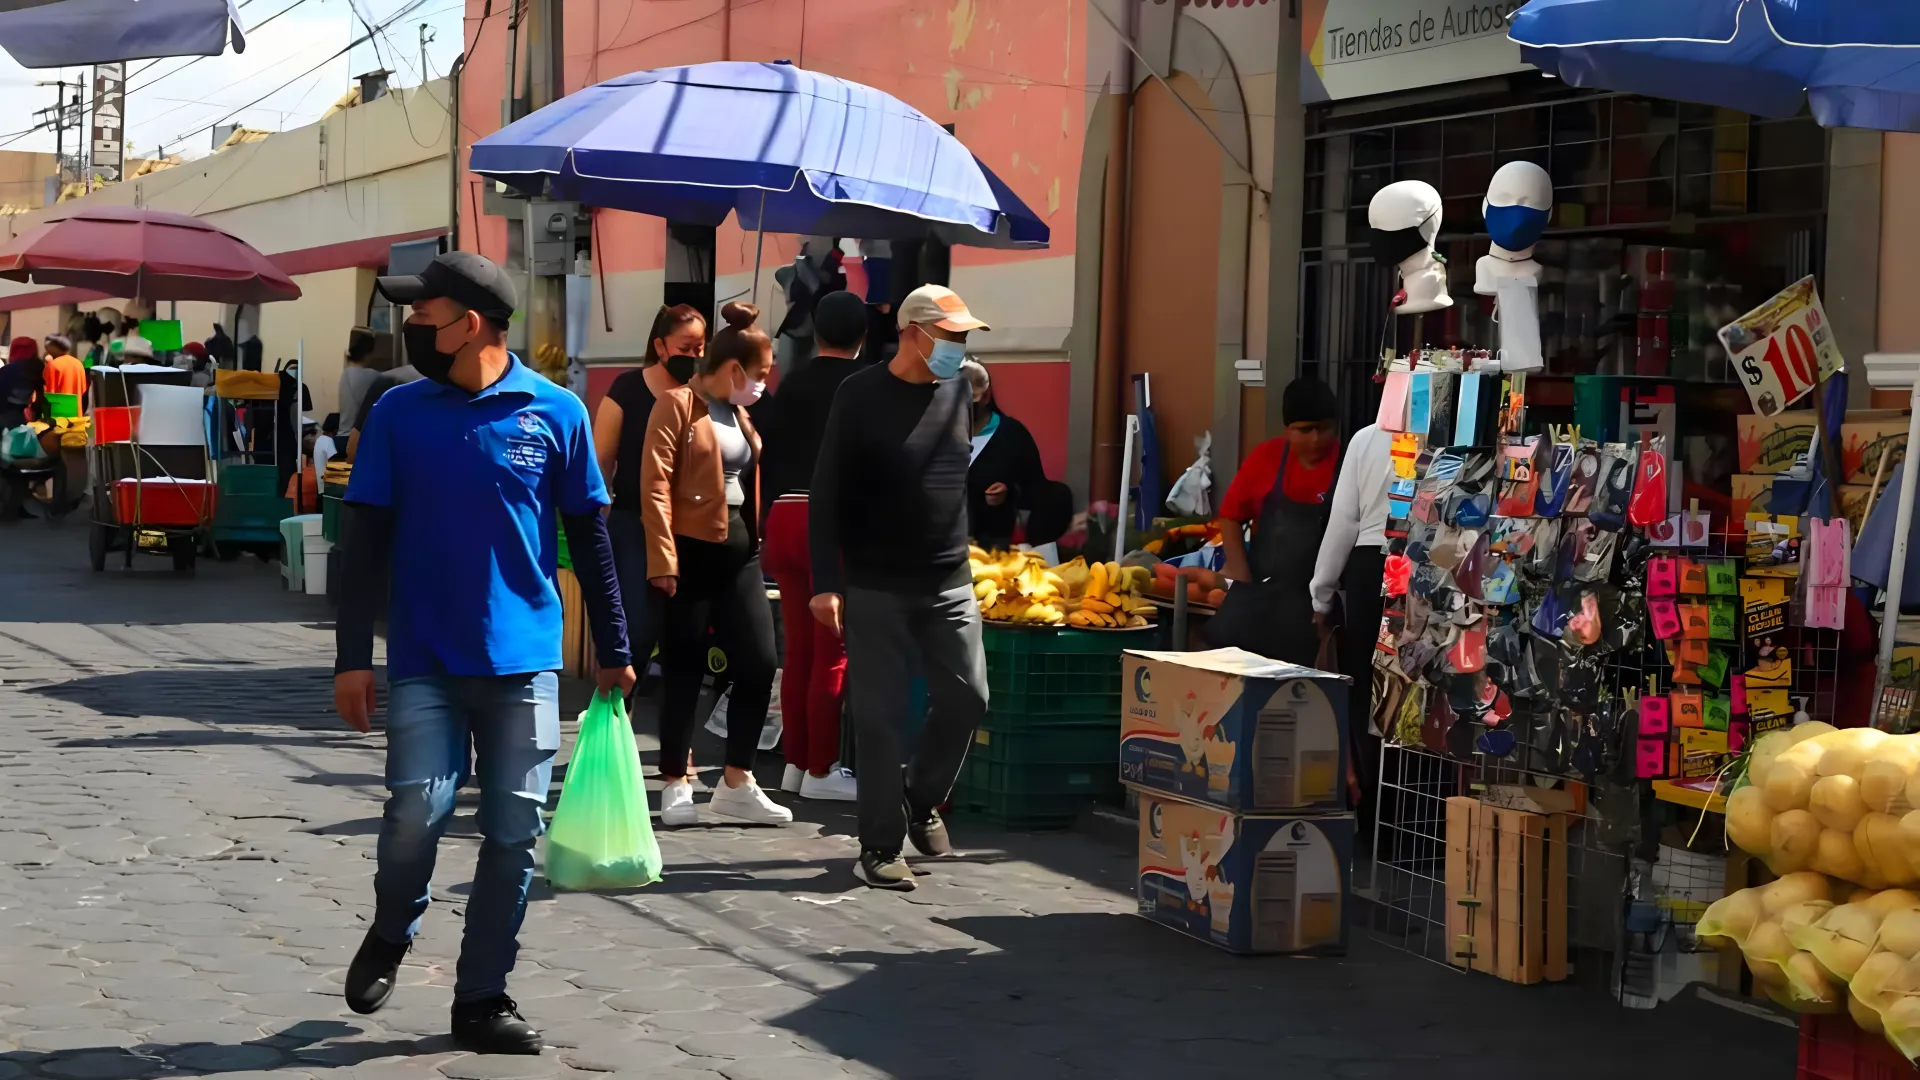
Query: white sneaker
(837, 786)
(793, 779)
(676, 804)
(747, 803)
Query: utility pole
(546, 307)
(426, 35)
(58, 119)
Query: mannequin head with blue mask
(1517, 209)
(934, 324)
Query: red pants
(814, 672)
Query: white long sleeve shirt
(1359, 515)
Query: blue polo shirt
(477, 484)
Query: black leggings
(721, 586)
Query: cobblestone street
(188, 837)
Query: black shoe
(494, 1026)
(927, 832)
(884, 870)
(371, 976)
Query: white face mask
(748, 394)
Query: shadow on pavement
(302, 1046)
(1105, 995)
(300, 697)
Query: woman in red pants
(816, 662)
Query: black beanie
(1307, 400)
(840, 320)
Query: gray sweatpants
(885, 631)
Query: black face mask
(1391, 247)
(424, 354)
(681, 367)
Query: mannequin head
(1405, 218)
(1518, 205)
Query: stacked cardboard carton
(1240, 765)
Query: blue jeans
(511, 724)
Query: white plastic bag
(1190, 495)
(769, 735)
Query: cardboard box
(1247, 884)
(1864, 438)
(1751, 495)
(1234, 730)
(1770, 444)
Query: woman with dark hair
(700, 502)
(674, 345)
(1006, 477)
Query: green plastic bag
(602, 833)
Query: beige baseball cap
(940, 306)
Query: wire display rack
(1405, 872)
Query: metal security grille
(1744, 198)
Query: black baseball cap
(464, 277)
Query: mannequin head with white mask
(1518, 205)
(1404, 220)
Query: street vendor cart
(140, 504)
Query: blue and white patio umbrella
(1856, 63)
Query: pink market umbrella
(148, 254)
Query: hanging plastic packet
(1584, 479)
(1554, 467)
(1615, 491)
(1519, 479)
(1649, 503)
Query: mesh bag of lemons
(1835, 813)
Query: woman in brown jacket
(699, 501)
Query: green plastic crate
(331, 502)
(259, 515)
(1033, 796)
(244, 479)
(1040, 676)
(1078, 743)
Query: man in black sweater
(889, 537)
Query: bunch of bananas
(1017, 586)
(1114, 597)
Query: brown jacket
(683, 486)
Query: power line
(405, 11)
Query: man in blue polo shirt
(461, 484)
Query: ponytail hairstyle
(741, 339)
(670, 321)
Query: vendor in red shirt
(1284, 490)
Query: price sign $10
(1783, 348)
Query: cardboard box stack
(1240, 766)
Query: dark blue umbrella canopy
(1856, 63)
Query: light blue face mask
(1516, 227)
(947, 356)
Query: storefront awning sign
(1783, 348)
